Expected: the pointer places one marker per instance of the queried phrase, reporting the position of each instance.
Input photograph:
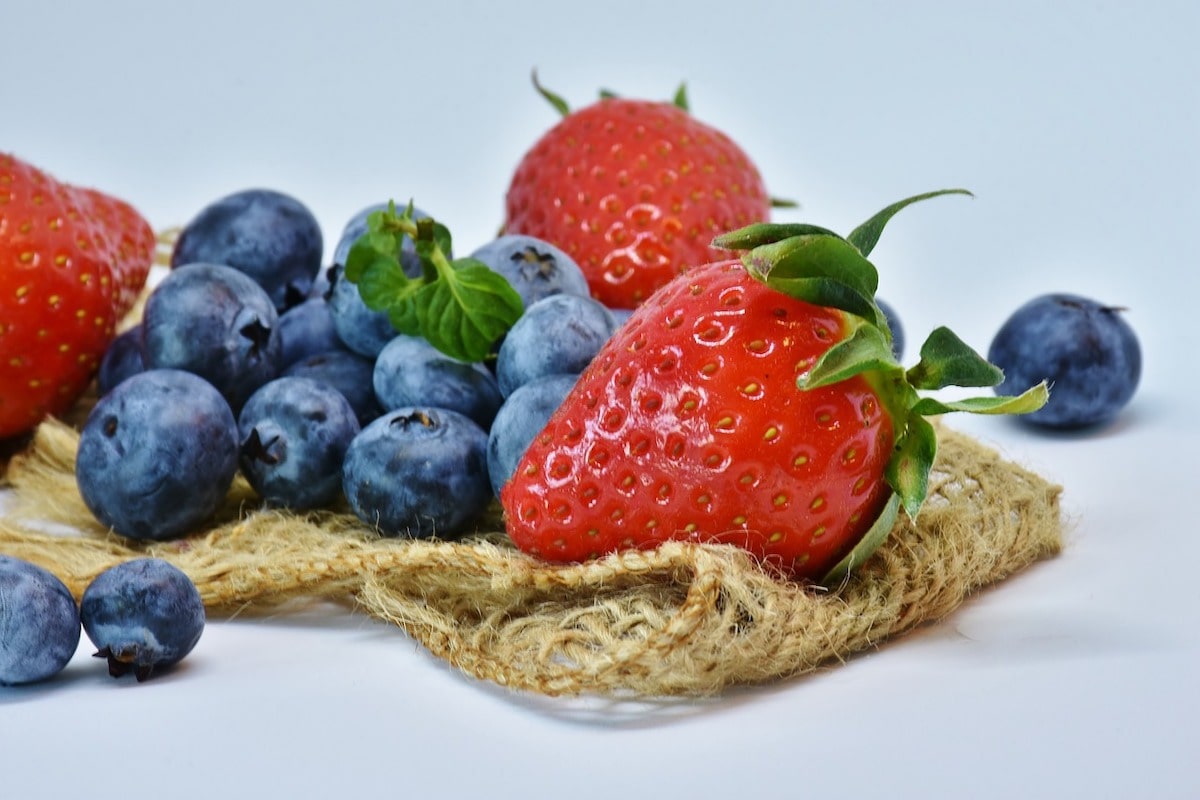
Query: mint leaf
(382, 282)
(947, 360)
(467, 309)
(866, 236)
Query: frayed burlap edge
(681, 620)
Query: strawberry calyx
(460, 306)
(816, 265)
(679, 100)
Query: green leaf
(1025, 403)
(608, 94)
(947, 360)
(559, 104)
(866, 349)
(908, 470)
(467, 309)
(382, 283)
(866, 236)
(761, 233)
(403, 313)
(783, 202)
(816, 255)
(681, 98)
(875, 536)
(830, 293)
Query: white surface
(1076, 124)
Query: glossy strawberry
(72, 261)
(752, 402)
(634, 191)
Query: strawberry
(72, 261)
(753, 402)
(634, 191)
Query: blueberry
(349, 373)
(1085, 349)
(268, 235)
(39, 623)
(524, 413)
(306, 329)
(535, 268)
(412, 372)
(357, 226)
(362, 330)
(157, 455)
(418, 472)
(294, 434)
(142, 615)
(125, 356)
(214, 321)
(558, 334)
(893, 321)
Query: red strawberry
(738, 406)
(71, 263)
(634, 191)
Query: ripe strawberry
(72, 261)
(739, 405)
(634, 191)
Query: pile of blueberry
(143, 616)
(252, 358)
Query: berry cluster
(143, 616)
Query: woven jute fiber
(681, 620)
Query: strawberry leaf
(680, 100)
(866, 235)
(817, 255)
(761, 233)
(875, 536)
(908, 471)
(553, 99)
(830, 293)
(1027, 402)
(947, 360)
(867, 349)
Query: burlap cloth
(681, 620)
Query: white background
(1075, 123)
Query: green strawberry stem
(818, 266)
(459, 306)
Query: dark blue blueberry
(558, 334)
(893, 321)
(412, 372)
(362, 330)
(1085, 349)
(124, 357)
(357, 226)
(349, 373)
(535, 268)
(306, 330)
(214, 321)
(142, 615)
(418, 472)
(157, 455)
(265, 234)
(39, 623)
(524, 413)
(294, 433)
